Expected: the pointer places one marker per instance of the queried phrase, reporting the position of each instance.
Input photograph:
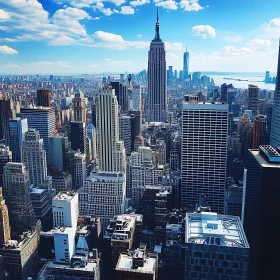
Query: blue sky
(93, 36)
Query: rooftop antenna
(157, 13)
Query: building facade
(204, 153)
(157, 95)
(17, 129)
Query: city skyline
(91, 36)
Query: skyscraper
(34, 157)
(157, 96)
(261, 211)
(204, 153)
(43, 98)
(7, 112)
(110, 151)
(17, 129)
(275, 122)
(43, 120)
(253, 99)
(16, 189)
(186, 63)
(79, 106)
(5, 156)
(259, 131)
(103, 192)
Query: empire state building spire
(157, 98)
(157, 37)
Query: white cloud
(117, 2)
(190, 5)
(7, 50)
(35, 67)
(205, 31)
(172, 55)
(168, 4)
(174, 46)
(106, 11)
(127, 10)
(232, 39)
(96, 18)
(3, 15)
(135, 3)
(139, 35)
(273, 23)
(259, 44)
(108, 37)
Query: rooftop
(212, 229)
(263, 159)
(125, 263)
(205, 105)
(68, 196)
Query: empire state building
(157, 97)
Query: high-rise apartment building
(79, 107)
(204, 153)
(253, 100)
(16, 189)
(43, 120)
(110, 151)
(275, 122)
(157, 95)
(262, 192)
(186, 64)
(135, 98)
(5, 232)
(7, 112)
(120, 92)
(216, 247)
(17, 129)
(43, 98)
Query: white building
(204, 153)
(79, 107)
(65, 209)
(103, 195)
(64, 244)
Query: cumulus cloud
(117, 2)
(96, 18)
(190, 5)
(7, 50)
(135, 3)
(168, 4)
(259, 44)
(3, 15)
(127, 10)
(205, 31)
(108, 37)
(273, 23)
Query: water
(255, 79)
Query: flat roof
(262, 161)
(209, 228)
(65, 196)
(205, 106)
(90, 267)
(125, 263)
